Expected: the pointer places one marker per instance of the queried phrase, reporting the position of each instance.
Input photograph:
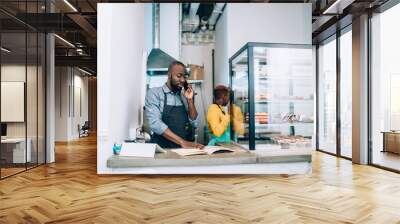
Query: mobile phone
(186, 85)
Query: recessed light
(337, 7)
(5, 50)
(84, 71)
(64, 40)
(70, 5)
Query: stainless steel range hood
(157, 61)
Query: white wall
(120, 68)
(33, 126)
(268, 22)
(259, 22)
(67, 115)
(221, 50)
(62, 81)
(201, 55)
(80, 109)
(18, 73)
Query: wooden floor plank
(70, 191)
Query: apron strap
(180, 99)
(220, 108)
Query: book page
(207, 150)
(189, 151)
(217, 149)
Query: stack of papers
(138, 150)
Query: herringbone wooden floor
(70, 191)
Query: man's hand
(189, 93)
(187, 144)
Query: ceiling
(76, 21)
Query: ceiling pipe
(337, 7)
(70, 6)
(193, 10)
(218, 9)
(180, 31)
(156, 26)
(320, 22)
(157, 61)
(66, 42)
(194, 19)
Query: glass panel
(22, 74)
(385, 85)
(346, 94)
(327, 96)
(13, 87)
(240, 99)
(284, 97)
(31, 100)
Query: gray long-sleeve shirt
(155, 105)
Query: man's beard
(176, 88)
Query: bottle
(140, 138)
(116, 148)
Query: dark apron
(176, 118)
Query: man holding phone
(171, 112)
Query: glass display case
(273, 89)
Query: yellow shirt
(237, 120)
(218, 121)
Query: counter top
(170, 158)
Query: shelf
(284, 124)
(285, 77)
(195, 81)
(281, 124)
(237, 77)
(280, 101)
(275, 77)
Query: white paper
(138, 150)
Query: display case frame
(248, 49)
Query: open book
(207, 150)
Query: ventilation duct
(157, 61)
